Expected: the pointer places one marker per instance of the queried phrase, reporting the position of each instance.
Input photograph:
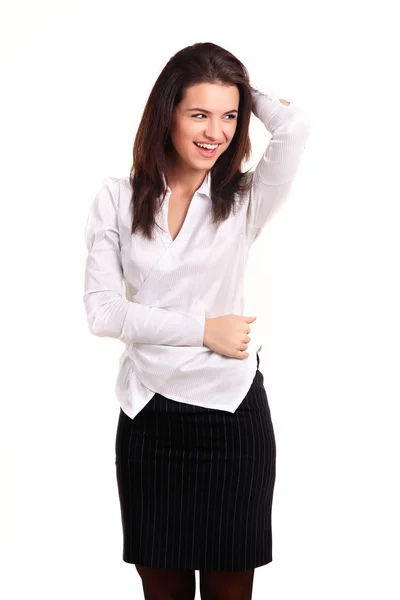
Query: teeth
(207, 146)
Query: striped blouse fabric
(154, 295)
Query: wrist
(206, 330)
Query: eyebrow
(208, 112)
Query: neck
(184, 181)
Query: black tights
(180, 584)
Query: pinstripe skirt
(196, 484)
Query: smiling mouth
(214, 148)
(207, 152)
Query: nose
(213, 130)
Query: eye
(203, 115)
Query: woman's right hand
(228, 335)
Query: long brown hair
(199, 63)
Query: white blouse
(171, 286)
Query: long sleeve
(109, 313)
(277, 168)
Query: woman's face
(207, 114)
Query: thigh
(167, 584)
(226, 585)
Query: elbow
(96, 326)
(99, 318)
(95, 323)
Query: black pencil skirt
(196, 485)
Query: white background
(323, 280)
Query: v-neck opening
(184, 226)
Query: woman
(195, 446)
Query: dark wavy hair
(199, 63)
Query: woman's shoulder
(120, 188)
